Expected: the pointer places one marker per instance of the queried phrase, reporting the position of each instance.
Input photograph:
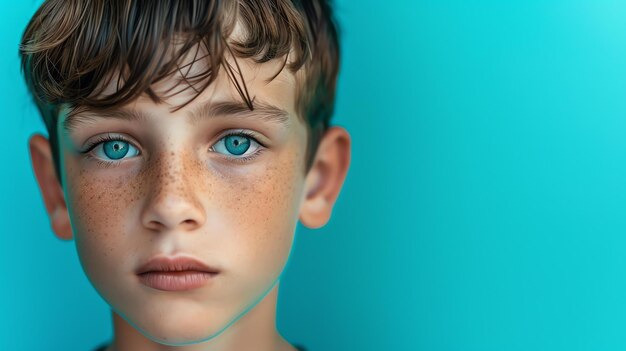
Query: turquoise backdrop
(485, 207)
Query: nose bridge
(169, 174)
(172, 202)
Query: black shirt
(102, 347)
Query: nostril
(189, 223)
(155, 225)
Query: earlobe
(325, 178)
(51, 190)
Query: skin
(180, 196)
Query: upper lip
(179, 263)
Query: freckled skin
(178, 197)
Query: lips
(175, 274)
(175, 264)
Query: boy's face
(170, 184)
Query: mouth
(175, 274)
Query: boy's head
(185, 128)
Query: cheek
(263, 208)
(100, 210)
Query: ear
(325, 178)
(51, 190)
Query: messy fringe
(72, 49)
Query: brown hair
(71, 50)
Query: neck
(256, 330)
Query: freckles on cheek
(99, 206)
(263, 204)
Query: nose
(172, 203)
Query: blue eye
(236, 145)
(116, 149)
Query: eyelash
(245, 158)
(108, 137)
(102, 139)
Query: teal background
(484, 208)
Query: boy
(186, 139)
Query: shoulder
(101, 347)
(104, 346)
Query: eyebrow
(212, 109)
(261, 110)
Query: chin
(177, 328)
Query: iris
(115, 149)
(237, 144)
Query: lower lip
(176, 281)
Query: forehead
(270, 86)
(141, 112)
